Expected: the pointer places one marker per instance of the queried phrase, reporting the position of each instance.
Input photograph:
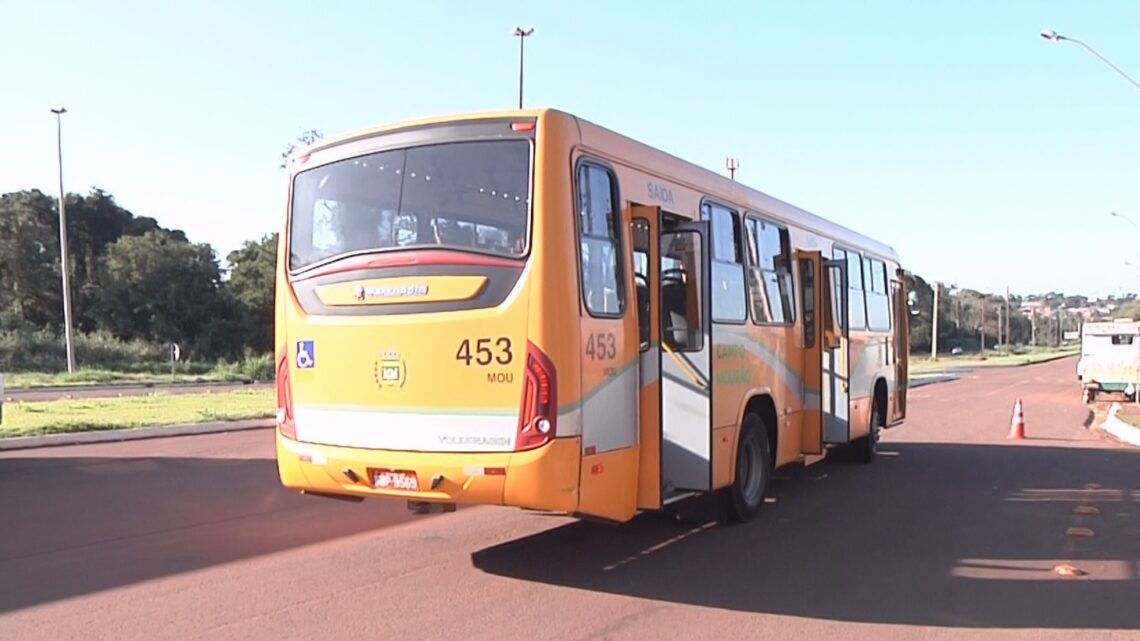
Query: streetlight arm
(1123, 217)
(1102, 59)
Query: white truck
(1110, 359)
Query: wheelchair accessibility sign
(306, 356)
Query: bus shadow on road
(76, 526)
(931, 534)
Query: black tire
(753, 471)
(867, 448)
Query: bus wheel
(753, 469)
(866, 448)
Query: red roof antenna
(732, 164)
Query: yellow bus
(526, 309)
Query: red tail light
(538, 413)
(285, 398)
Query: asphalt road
(953, 533)
(104, 391)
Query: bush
(258, 368)
(44, 351)
(250, 368)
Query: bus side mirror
(912, 303)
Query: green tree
(30, 296)
(94, 222)
(1131, 309)
(251, 283)
(159, 287)
(922, 321)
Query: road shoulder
(110, 436)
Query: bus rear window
(471, 196)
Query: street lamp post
(70, 339)
(522, 34)
(934, 325)
(1053, 36)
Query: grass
(253, 368)
(92, 377)
(1129, 414)
(1030, 355)
(96, 414)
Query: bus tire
(867, 447)
(753, 471)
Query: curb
(969, 368)
(17, 394)
(931, 380)
(132, 434)
(1121, 430)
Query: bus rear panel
(405, 367)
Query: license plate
(395, 480)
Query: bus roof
(726, 188)
(1111, 328)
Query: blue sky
(984, 154)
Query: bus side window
(856, 299)
(840, 254)
(598, 217)
(878, 301)
(680, 294)
(807, 284)
(728, 297)
(641, 278)
(770, 272)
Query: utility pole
(999, 343)
(522, 34)
(934, 327)
(982, 328)
(68, 336)
(1008, 323)
(1033, 326)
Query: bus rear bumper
(545, 478)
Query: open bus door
(902, 345)
(686, 360)
(823, 287)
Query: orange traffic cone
(1017, 425)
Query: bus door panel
(902, 346)
(609, 382)
(812, 305)
(686, 360)
(645, 225)
(836, 382)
